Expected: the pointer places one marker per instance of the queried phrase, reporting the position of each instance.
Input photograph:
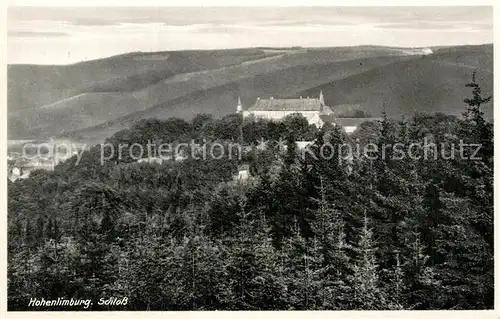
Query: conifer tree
(330, 243)
(365, 278)
(304, 263)
(482, 131)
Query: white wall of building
(311, 116)
(350, 129)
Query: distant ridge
(96, 98)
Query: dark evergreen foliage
(304, 233)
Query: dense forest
(303, 232)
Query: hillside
(30, 86)
(433, 83)
(97, 98)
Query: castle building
(313, 109)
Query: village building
(163, 158)
(243, 173)
(151, 160)
(16, 173)
(351, 124)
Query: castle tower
(239, 108)
(321, 99)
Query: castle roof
(299, 105)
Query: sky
(45, 35)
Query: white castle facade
(313, 109)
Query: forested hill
(303, 233)
(95, 99)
